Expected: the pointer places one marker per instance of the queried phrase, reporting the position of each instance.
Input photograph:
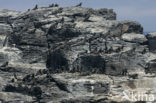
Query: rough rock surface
(73, 55)
(151, 41)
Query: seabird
(56, 5)
(15, 76)
(36, 7)
(79, 5)
(62, 20)
(52, 5)
(5, 64)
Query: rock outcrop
(151, 41)
(73, 55)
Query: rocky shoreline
(74, 55)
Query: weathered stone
(134, 38)
(89, 64)
(5, 29)
(73, 55)
(132, 27)
(152, 41)
(151, 66)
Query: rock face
(134, 38)
(151, 41)
(72, 55)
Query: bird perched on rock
(79, 5)
(62, 20)
(52, 5)
(36, 7)
(33, 76)
(5, 64)
(56, 5)
(15, 76)
(124, 72)
(87, 16)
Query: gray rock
(134, 38)
(151, 41)
(72, 55)
(7, 15)
(150, 67)
(5, 29)
(132, 27)
(89, 64)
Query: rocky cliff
(73, 55)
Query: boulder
(151, 41)
(134, 38)
(151, 67)
(5, 29)
(132, 27)
(7, 15)
(89, 64)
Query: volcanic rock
(73, 55)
